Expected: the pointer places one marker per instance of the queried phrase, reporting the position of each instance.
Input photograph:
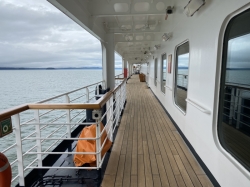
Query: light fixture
(157, 47)
(193, 6)
(169, 10)
(166, 37)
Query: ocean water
(28, 86)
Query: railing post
(120, 100)
(239, 93)
(38, 136)
(116, 111)
(87, 95)
(98, 143)
(103, 85)
(68, 118)
(110, 115)
(97, 114)
(232, 106)
(16, 123)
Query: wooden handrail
(9, 112)
(97, 105)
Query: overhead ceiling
(137, 25)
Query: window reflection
(164, 73)
(156, 66)
(234, 114)
(181, 75)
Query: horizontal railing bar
(241, 122)
(55, 97)
(60, 153)
(30, 150)
(242, 86)
(13, 162)
(28, 121)
(77, 98)
(63, 167)
(30, 164)
(242, 114)
(77, 114)
(85, 123)
(46, 113)
(63, 138)
(65, 106)
(8, 148)
(53, 132)
(14, 178)
(54, 143)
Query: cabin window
(156, 64)
(234, 105)
(163, 72)
(181, 75)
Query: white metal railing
(119, 78)
(36, 137)
(182, 81)
(236, 104)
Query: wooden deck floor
(148, 150)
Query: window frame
(217, 93)
(174, 63)
(155, 71)
(163, 87)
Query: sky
(238, 52)
(35, 34)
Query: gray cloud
(36, 34)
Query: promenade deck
(148, 150)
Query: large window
(181, 75)
(234, 105)
(156, 64)
(163, 72)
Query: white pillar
(125, 67)
(108, 61)
(130, 70)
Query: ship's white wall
(202, 30)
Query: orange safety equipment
(90, 146)
(5, 171)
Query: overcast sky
(238, 52)
(34, 33)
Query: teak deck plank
(148, 150)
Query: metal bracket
(96, 114)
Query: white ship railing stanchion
(239, 104)
(232, 106)
(38, 136)
(87, 95)
(110, 115)
(16, 123)
(68, 118)
(98, 143)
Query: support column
(130, 72)
(131, 69)
(108, 61)
(125, 67)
